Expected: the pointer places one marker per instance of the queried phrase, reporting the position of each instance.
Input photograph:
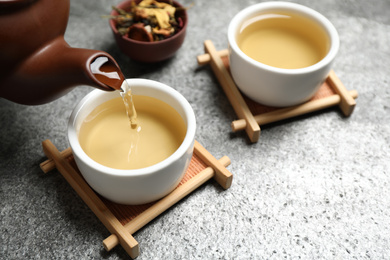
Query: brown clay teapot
(36, 64)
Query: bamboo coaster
(252, 114)
(123, 220)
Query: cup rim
(241, 16)
(137, 83)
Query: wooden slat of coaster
(256, 108)
(233, 94)
(324, 91)
(213, 170)
(126, 213)
(332, 92)
(122, 220)
(85, 192)
(347, 101)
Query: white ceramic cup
(276, 86)
(136, 186)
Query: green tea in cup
(284, 40)
(107, 136)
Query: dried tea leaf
(139, 33)
(160, 14)
(157, 19)
(164, 32)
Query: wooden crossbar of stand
(203, 166)
(251, 114)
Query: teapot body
(26, 26)
(36, 64)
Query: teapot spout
(55, 69)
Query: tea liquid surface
(107, 137)
(283, 40)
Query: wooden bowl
(150, 52)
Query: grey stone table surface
(315, 187)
